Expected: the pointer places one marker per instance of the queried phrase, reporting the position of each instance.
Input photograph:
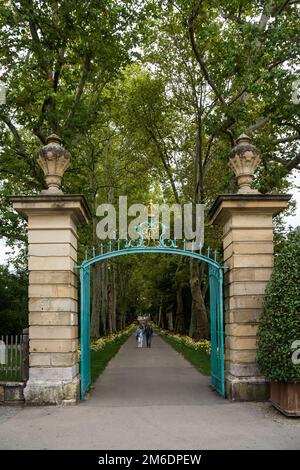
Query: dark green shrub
(280, 321)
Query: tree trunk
(109, 302)
(96, 301)
(120, 291)
(103, 322)
(170, 321)
(95, 286)
(192, 327)
(163, 317)
(118, 319)
(111, 299)
(179, 316)
(114, 299)
(199, 327)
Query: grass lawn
(13, 362)
(11, 377)
(100, 359)
(199, 359)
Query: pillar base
(254, 388)
(52, 393)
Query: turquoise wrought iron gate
(172, 247)
(85, 336)
(216, 328)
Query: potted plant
(279, 329)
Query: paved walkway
(149, 399)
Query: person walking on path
(148, 334)
(139, 336)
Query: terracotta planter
(286, 397)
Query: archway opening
(215, 276)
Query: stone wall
(12, 393)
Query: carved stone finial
(243, 139)
(54, 160)
(53, 138)
(244, 159)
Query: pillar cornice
(72, 203)
(225, 204)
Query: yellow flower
(202, 345)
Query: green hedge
(280, 321)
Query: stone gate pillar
(247, 224)
(53, 312)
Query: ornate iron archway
(141, 246)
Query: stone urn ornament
(54, 159)
(244, 159)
